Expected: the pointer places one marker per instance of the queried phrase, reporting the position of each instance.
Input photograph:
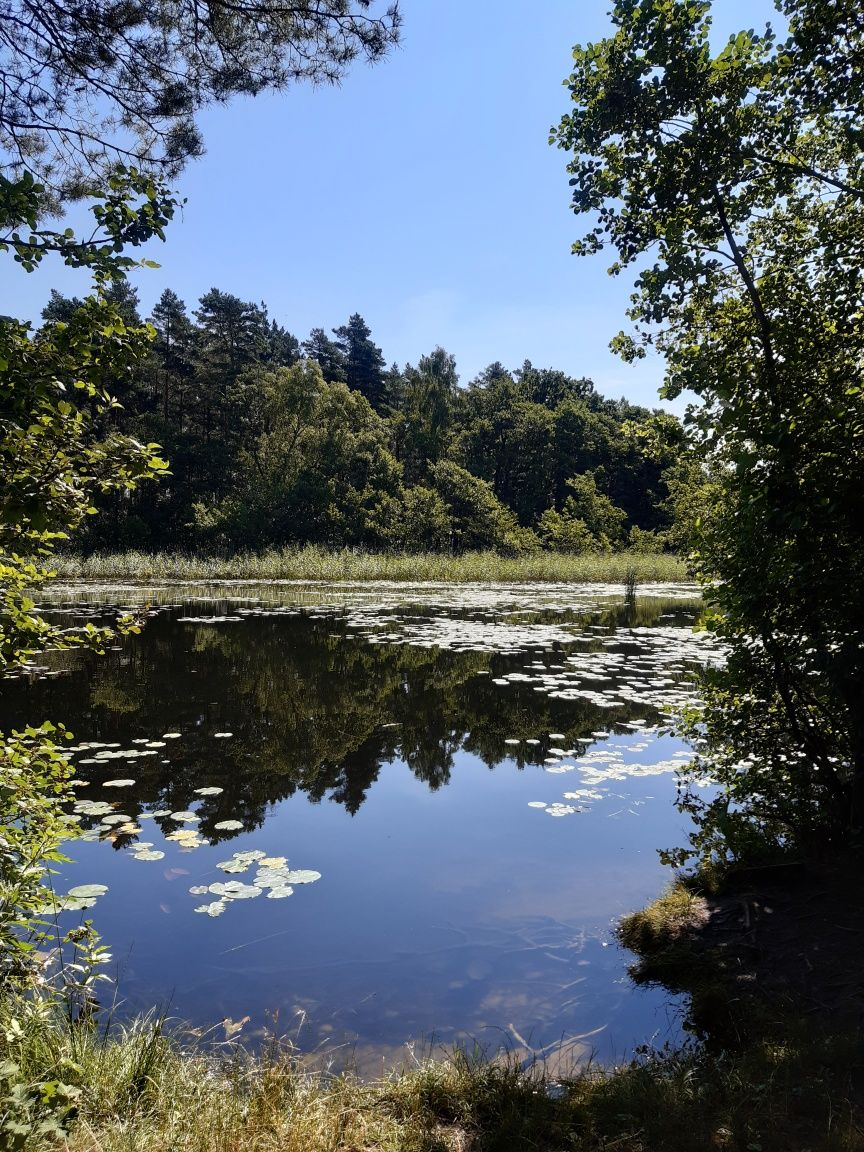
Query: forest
(274, 441)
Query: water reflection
(308, 709)
(330, 726)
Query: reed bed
(314, 563)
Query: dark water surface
(479, 776)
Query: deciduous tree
(732, 181)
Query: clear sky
(421, 193)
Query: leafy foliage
(32, 826)
(57, 450)
(741, 174)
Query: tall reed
(316, 563)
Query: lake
(379, 819)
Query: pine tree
(173, 347)
(364, 361)
(327, 354)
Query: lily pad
(208, 791)
(302, 876)
(149, 854)
(86, 891)
(117, 783)
(235, 890)
(75, 904)
(280, 893)
(228, 826)
(216, 908)
(271, 878)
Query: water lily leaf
(235, 890)
(186, 817)
(86, 891)
(536, 803)
(216, 908)
(149, 854)
(228, 826)
(199, 889)
(302, 876)
(170, 735)
(117, 783)
(234, 865)
(222, 735)
(94, 807)
(208, 791)
(273, 861)
(186, 838)
(280, 893)
(75, 904)
(271, 878)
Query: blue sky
(422, 193)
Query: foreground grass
(136, 1089)
(314, 563)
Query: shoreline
(767, 1074)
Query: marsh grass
(314, 563)
(141, 1090)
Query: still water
(408, 815)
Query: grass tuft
(664, 921)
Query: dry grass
(143, 1092)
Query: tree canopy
(276, 441)
(84, 87)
